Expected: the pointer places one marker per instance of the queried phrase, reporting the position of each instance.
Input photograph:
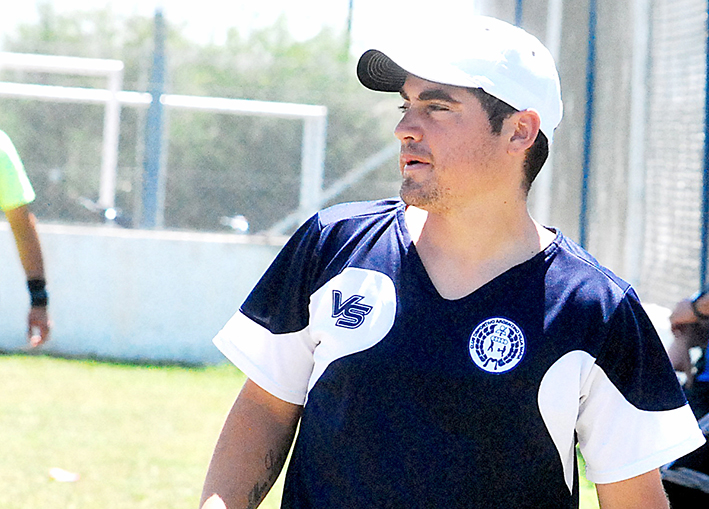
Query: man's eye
(403, 108)
(437, 107)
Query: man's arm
(642, 492)
(689, 322)
(23, 225)
(691, 312)
(251, 450)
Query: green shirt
(15, 187)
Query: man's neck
(462, 252)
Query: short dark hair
(497, 111)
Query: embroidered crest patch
(497, 345)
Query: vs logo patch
(497, 345)
(350, 314)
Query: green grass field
(138, 436)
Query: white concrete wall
(144, 295)
(133, 294)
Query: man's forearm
(642, 492)
(251, 450)
(220, 492)
(23, 225)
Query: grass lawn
(138, 436)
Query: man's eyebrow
(432, 94)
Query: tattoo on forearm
(273, 462)
(257, 494)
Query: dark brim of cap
(379, 72)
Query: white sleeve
(279, 363)
(620, 441)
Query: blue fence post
(705, 184)
(152, 160)
(519, 4)
(588, 128)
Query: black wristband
(696, 311)
(39, 298)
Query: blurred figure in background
(690, 326)
(686, 480)
(15, 194)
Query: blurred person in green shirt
(15, 194)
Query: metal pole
(154, 130)
(349, 26)
(635, 221)
(518, 12)
(588, 129)
(705, 190)
(109, 156)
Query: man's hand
(214, 502)
(38, 326)
(682, 315)
(689, 331)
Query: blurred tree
(218, 165)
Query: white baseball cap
(502, 59)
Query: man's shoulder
(353, 212)
(346, 224)
(579, 264)
(7, 154)
(15, 187)
(585, 286)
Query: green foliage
(217, 165)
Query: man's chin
(414, 195)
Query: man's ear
(523, 127)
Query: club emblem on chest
(497, 345)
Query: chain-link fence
(221, 172)
(675, 150)
(659, 210)
(221, 167)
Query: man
(690, 326)
(446, 350)
(15, 194)
(687, 480)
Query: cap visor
(377, 71)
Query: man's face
(449, 156)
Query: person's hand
(214, 502)
(38, 326)
(683, 316)
(688, 331)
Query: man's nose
(408, 128)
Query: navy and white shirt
(415, 401)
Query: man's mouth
(413, 162)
